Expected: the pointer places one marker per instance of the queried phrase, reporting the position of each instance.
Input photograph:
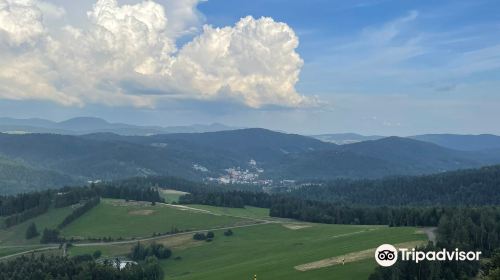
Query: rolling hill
(108, 156)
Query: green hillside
(16, 235)
(117, 218)
(107, 156)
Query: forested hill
(16, 177)
(270, 154)
(465, 187)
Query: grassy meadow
(273, 250)
(117, 218)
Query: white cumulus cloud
(127, 55)
(20, 21)
(254, 61)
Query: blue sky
(373, 67)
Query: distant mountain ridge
(82, 149)
(92, 125)
(345, 138)
(87, 125)
(462, 142)
(481, 142)
(278, 156)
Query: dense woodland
(16, 204)
(50, 267)
(461, 188)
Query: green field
(271, 251)
(117, 218)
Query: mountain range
(87, 125)
(462, 142)
(268, 154)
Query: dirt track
(351, 257)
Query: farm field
(117, 218)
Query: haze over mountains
(86, 125)
(38, 160)
(345, 138)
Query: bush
(228, 232)
(199, 236)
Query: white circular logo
(386, 255)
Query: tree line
(141, 252)
(233, 199)
(180, 184)
(15, 204)
(78, 212)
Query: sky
(304, 66)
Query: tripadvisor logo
(387, 255)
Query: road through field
(161, 237)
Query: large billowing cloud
(254, 61)
(127, 55)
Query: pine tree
(31, 231)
